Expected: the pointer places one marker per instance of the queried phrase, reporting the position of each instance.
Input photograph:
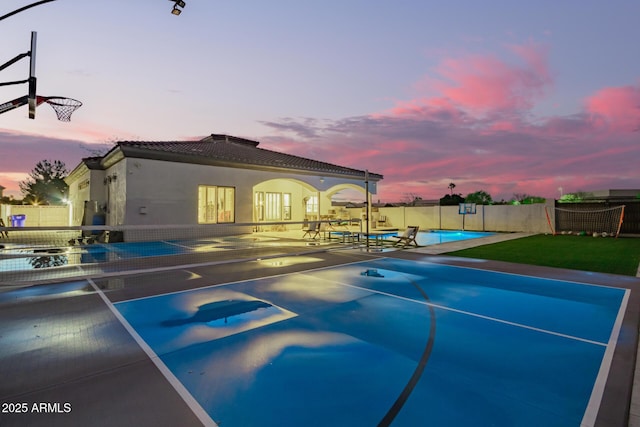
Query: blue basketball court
(386, 341)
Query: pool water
(99, 252)
(343, 345)
(18, 258)
(436, 237)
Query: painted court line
(589, 417)
(593, 406)
(177, 385)
(466, 267)
(237, 281)
(468, 313)
(151, 270)
(176, 244)
(396, 296)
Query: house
(613, 195)
(220, 179)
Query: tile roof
(92, 162)
(224, 150)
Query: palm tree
(451, 187)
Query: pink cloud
(502, 126)
(428, 108)
(419, 154)
(21, 152)
(487, 93)
(615, 108)
(483, 84)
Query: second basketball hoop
(465, 209)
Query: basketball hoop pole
(17, 58)
(366, 204)
(32, 76)
(468, 208)
(13, 61)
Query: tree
(9, 200)
(451, 187)
(480, 197)
(410, 198)
(45, 185)
(526, 199)
(451, 200)
(578, 196)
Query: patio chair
(408, 237)
(3, 233)
(312, 230)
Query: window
(286, 206)
(273, 206)
(206, 204)
(216, 204)
(226, 202)
(311, 205)
(259, 206)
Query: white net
(32, 254)
(63, 107)
(587, 221)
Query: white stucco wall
(39, 216)
(116, 189)
(79, 191)
(85, 185)
(149, 192)
(506, 218)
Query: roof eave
(141, 153)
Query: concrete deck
(65, 359)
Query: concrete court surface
(66, 360)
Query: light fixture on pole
(23, 8)
(366, 204)
(178, 4)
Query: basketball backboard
(62, 106)
(32, 77)
(467, 208)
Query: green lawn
(606, 255)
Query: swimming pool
(15, 257)
(368, 343)
(436, 237)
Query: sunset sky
(502, 96)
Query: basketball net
(63, 107)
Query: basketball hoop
(63, 107)
(465, 209)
